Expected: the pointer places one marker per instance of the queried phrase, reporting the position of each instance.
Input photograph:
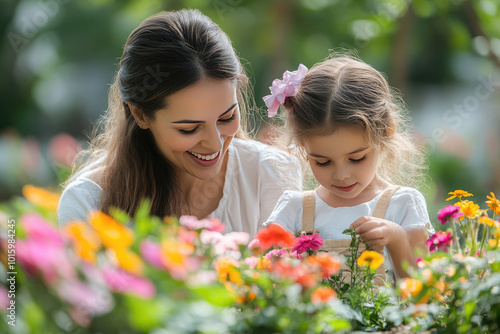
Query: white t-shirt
(407, 208)
(256, 177)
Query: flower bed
(142, 274)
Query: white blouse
(256, 177)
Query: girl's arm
(399, 243)
(401, 249)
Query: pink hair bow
(281, 89)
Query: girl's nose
(341, 172)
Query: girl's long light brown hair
(164, 54)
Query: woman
(172, 133)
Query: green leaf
(119, 215)
(145, 315)
(144, 223)
(216, 295)
(469, 309)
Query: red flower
(305, 242)
(275, 235)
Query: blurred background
(58, 58)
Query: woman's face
(197, 126)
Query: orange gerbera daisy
(493, 203)
(226, 269)
(469, 208)
(112, 233)
(329, 264)
(127, 259)
(459, 194)
(370, 258)
(41, 197)
(85, 240)
(323, 294)
(275, 235)
(264, 263)
(410, 287)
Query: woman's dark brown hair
(164, 54)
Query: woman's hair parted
(164, 54)
(343, 91)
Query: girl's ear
(139, 116)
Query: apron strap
(308, 204)
(383, 202)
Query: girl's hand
(378, 232)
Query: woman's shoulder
(80, 197)
(292, 196)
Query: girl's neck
(375, 188)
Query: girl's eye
(320, 164)
(189, 132)
(228, 120)
(358, 160)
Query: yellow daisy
(493, 203)
(469, 208)
(459, 194)
(370, 258)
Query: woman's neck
(203, 196)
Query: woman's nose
(213, 139)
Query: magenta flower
(37, 228)
(150, 252)
(277, 253)
(90, 300)
(224, 242)
(439, 241)
(50, 260)
(305, 242)
(449, 212)
(120, 281)
(4, 299)
(255, 243)
(193, 223)
(252, 261)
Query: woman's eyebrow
(196, 122)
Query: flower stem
(455, 236)
(486, 231)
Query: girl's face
(343, 162)
(197, 126)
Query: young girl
(345, 121)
